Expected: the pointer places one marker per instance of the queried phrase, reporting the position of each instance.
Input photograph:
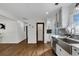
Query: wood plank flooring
(24, 49)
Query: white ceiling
(29, 10)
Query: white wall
(13, 32)
(31, 31)
(20, 30)
(9, 34)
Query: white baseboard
(16, 42)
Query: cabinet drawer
(75, 51)
(58, 50)
(64, 53)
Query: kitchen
(65, 40)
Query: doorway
(40, 32)
(26, 34)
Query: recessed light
(46, 12)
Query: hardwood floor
(24, 49)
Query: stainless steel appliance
(54, 43)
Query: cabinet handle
(75, 50)
(78, 53)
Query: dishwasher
(54, 41)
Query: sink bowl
(58, 36)
(69, 41)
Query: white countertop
(74, 45)
(58, 36)
(73, 39)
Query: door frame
(26, 29)
(37, 31)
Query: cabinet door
(64, 53)
(75, 51)
(60, 51)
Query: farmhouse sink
(69, 41)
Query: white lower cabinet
(60, 51)
(75, 51)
